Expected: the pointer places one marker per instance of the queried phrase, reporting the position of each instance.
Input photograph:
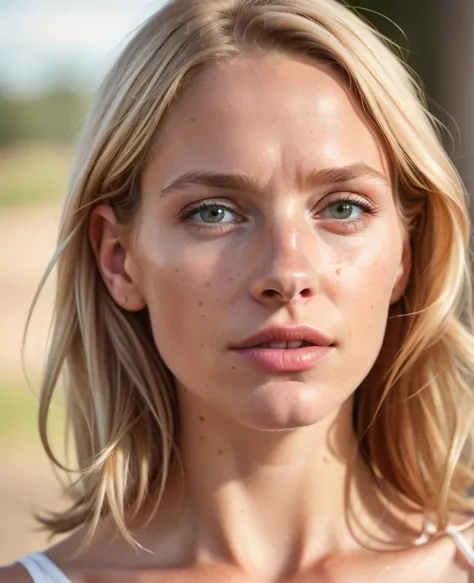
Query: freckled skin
(344, 279)
(259, 501)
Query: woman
(262, 312)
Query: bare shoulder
(14, 574)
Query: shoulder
(14, 574)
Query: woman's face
(308, 234)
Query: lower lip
(286, 359)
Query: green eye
(344, 210)
(212, 213)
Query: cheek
(186, 293)
(364, 283)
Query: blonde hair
(415, 419)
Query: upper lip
(300, 332)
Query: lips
(282, 344)
(286, 337)
(285, 349)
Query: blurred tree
(440, 47)
(53, 116)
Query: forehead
(266, 116)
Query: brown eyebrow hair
(243, 182)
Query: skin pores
(331, 254)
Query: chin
(288, 404)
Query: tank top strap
(42, 570)
(455, 532)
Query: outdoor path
(27, 241)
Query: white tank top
(43, 570)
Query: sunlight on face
(304, 231)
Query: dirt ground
(27, 240)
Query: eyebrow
(243, 182)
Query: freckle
(220, 451)
(372, 307)
(233, 368)
(176, 269)
(203, 315)
(201, 437)
(207, 386)
(208, 284)
(202, 345)
(325, 459)
(338, 271)
(218, 301)
(192, 119)
(200, 303)
(201, 418)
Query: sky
(41, 40)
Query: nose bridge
(286, 269)
(288, 246)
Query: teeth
(279, 344)
(295, 344)
(282, 344)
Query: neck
(270, 503)
(266, 501)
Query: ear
(113, 259)
(403, 272)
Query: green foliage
(33, 173)
(18, 414)
(53, 116)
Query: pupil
(343, 210)
(212, 214)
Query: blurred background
(53, 54)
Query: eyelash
(369, 210)
(351, 224)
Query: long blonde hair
(414, 420)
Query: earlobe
(112, 258)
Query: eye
(207, 214)
(210, 214)
(345, 210)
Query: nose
(286, 273)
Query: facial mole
(233, 368)
(220, 451)
(200, 304)
(208, 284)
(201, 418)
(201, 438)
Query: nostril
(306, 293)
(270, 293)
